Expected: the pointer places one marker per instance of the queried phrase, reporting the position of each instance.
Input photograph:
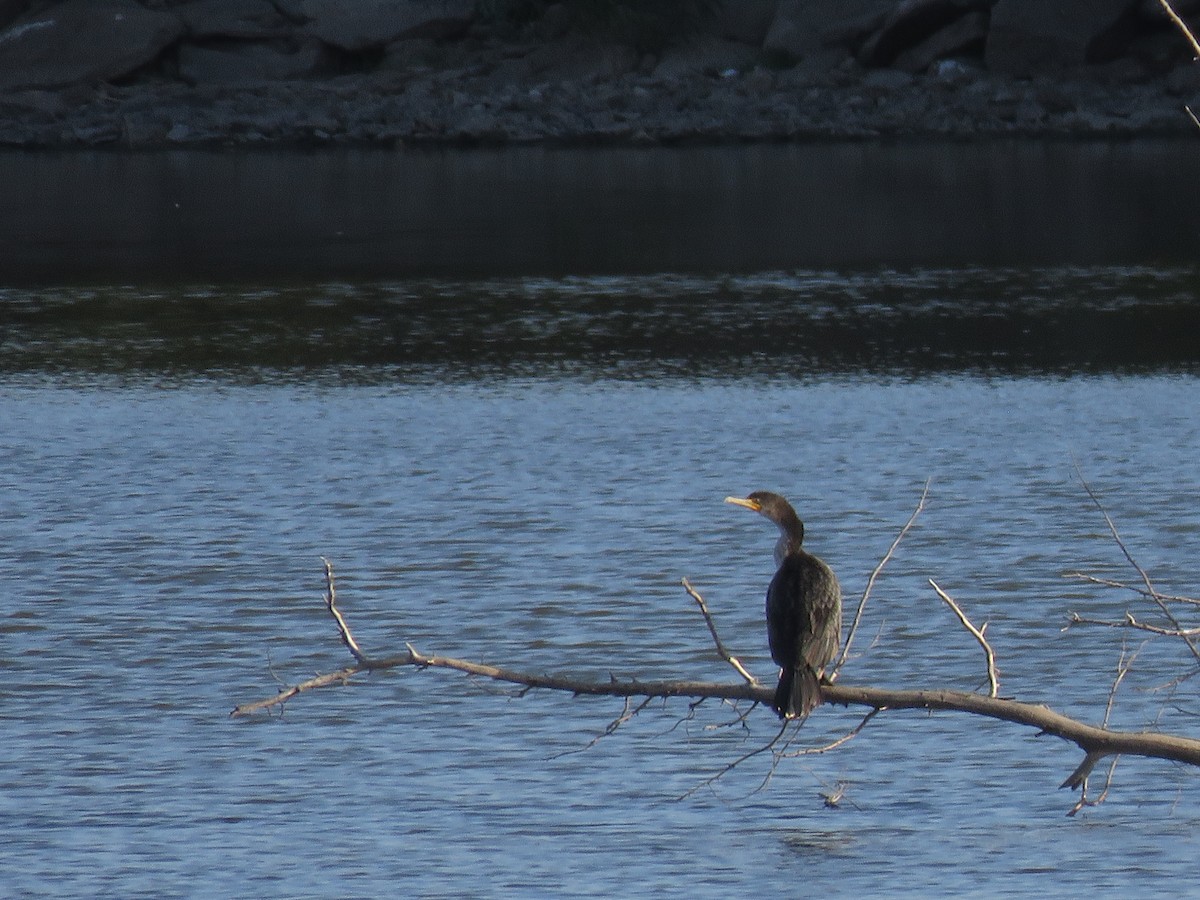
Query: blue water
(162, 535)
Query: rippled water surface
(520, 469)
(163, 537)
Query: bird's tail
(798, 693)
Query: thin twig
(743, 716)
(627, 713)
(1083, 797)
(1130, 622)
(977, 633)
(862, 603)
(1182, 26)
(845, 738)
(1125, 586)
(1152, 593)
(712, 629)
(343, 628)
(1124, 664)
(729, 767)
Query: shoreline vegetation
(389, 73)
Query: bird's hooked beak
(746, 502)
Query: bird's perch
(1096, 743)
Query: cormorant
(804, 610)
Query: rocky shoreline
(216, 73)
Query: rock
(745, 21)
(1183, 81)
(886, 80)
(234, 62)
(578, 59)
(952, 72)
(356, 25)
(966, 35)
(249, 19)
(912, 22)
(411, 55)
(82, 41)
(1030, 36)
(803, 27)
(46, 102)
(555, 23)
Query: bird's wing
(823, 615)
(785, 622)
(804, 613)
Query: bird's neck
(791, 536)
(787, 545)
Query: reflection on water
(114, 218)
(765, 325)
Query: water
(163, 544)
(116, 217)
(528, 490)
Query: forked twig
(1124, 664)
(1080, 776)
(1084, 800)
(977, 633)
(1150, 591)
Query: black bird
(804, 610)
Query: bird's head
(770, 505)
(774, 508)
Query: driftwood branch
(1096, 742)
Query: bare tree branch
(331, 605)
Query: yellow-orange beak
(746, 502)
